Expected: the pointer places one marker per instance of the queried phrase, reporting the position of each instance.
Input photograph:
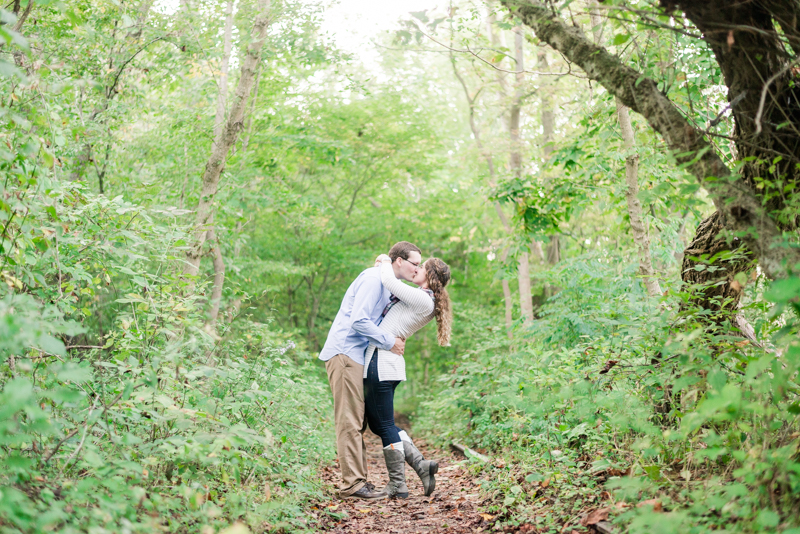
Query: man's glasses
(412, 263)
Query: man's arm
(367, 295)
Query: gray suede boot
(396, 466)
(424, 468)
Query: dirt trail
(454, 508)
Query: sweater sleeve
(417, 299)
(367, 294)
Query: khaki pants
(347, 385)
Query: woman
(410, 309)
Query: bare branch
(764, 90)
(495, 67)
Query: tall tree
(548, 131)
(233, 125)
(639, 227)
(515, 159)
(760, 219)
(471, 98)
(222, 95)
(219, 120)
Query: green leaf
(74, 373)
(73, 18)
(620, 38)
(52, 345)
(768, 519)
(534, 477)
(420, 15)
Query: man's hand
(399, 346)
(381, 258)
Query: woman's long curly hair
(438, 274)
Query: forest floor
(454, 508)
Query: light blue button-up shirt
(356, 323)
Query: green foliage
(122, 408)
(161, 426)
(662, 408)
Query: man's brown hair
(402, 250)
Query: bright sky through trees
(355, 24)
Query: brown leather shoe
(367, 493)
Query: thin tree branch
(764, 90)
(21, 21)
(495, 67)
(60, 443)
(112, 89)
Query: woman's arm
(414, 297)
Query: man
(355, 326)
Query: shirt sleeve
(415, 298)
(367, 296)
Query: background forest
(189, 187)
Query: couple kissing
(363, 356)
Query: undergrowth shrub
(120, 411)
(608, 390)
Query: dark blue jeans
(379, 404)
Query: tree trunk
(185, 174)
(219, 279)
(219, 153)
(548, 117)
(553, 250)
(638, 226)
(740, 204)
(525, 296)
(487, 155)
(222, 95)
(249, 127)
(222, 100)
(509, 303)
(524, 275)
(235, 306)
(755, 64)
(712, 288)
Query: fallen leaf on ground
(456, 488)
(655, 503)
(607, 367)
(621, 505)
(601, 514)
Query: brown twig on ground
(58, 445)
